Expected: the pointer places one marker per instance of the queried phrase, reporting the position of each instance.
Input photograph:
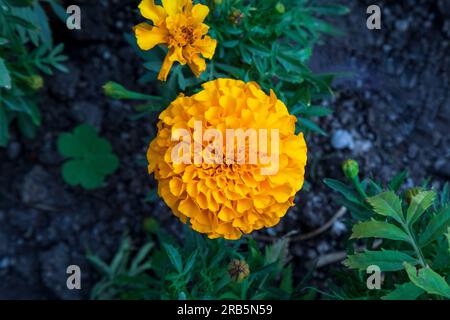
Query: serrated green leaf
(436, 227)
(378, 229)
(419, 204)
(428, 280)
(387, 204)
(405, 291)
(386, 260)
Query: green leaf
(428, 280)
(68, 145)
(287, 280)
(136, 267)
(343, 189)
(419, 204)
(190, 262)
(387, 260)
(308, 124)
(315, 111)
(387, 204)
(5, 78)
(436, 228)
(397, 181)
(174, 256)
(4, 135)
(448, 238)
(405, 291)
(378, 229)
(91, 157)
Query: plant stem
(359, 188)
(414, 245)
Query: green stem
(413, 243)
(358, 187)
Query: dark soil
(392, 113)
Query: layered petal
(153, 12)
(148, 37)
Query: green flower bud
(280, 8)
(218, 2)
(114, 90)
(350, 168)
(411, 193)
(35, 82)
(238, 270)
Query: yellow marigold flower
(234, 197)
(177, 24)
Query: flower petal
(165, 69)
(152, 12)
(174, 7)
(148, 37)
(207, 46)
(199, 12)
(197, 65)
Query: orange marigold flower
(228, 198)
(178, 25)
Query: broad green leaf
(428, 280)
(419, 204)
(174, 256)
(5, 78)
(378, 229)
(436, 228)
(387, 204)
(68, 145)
(91, 157)
(386, 260)
(405, 291)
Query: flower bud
(411, 193)
(350, 168)
(35, 82)
(236, 17)
(238, 270)
(114, 90)
(280, 8)
(218, 2)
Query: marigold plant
(177, 24)
(226, 200)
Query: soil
(392, 112)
